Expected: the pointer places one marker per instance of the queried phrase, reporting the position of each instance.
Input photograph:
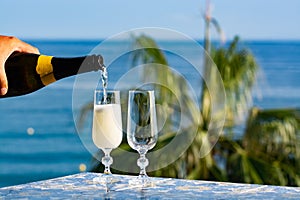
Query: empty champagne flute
(107, 128)
(141, 129)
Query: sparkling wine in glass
(107, 126)
(141, 128)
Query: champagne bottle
(27, 73)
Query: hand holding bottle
(8, 45)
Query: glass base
(106, 180)
(142, 182)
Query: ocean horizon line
(201, 40)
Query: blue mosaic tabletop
(84, 186)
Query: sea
(38, 132)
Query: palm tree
(237, 68)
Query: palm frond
(275, 132)
(238, 70)
(274, 136)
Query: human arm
(8, 45)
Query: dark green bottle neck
(64, 67)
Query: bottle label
(45, 70)
(44, 65)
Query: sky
(93, 19)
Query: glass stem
(143, 162)
(107, 160)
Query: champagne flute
(107, 127)
(141, 128)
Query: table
(82, 186)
